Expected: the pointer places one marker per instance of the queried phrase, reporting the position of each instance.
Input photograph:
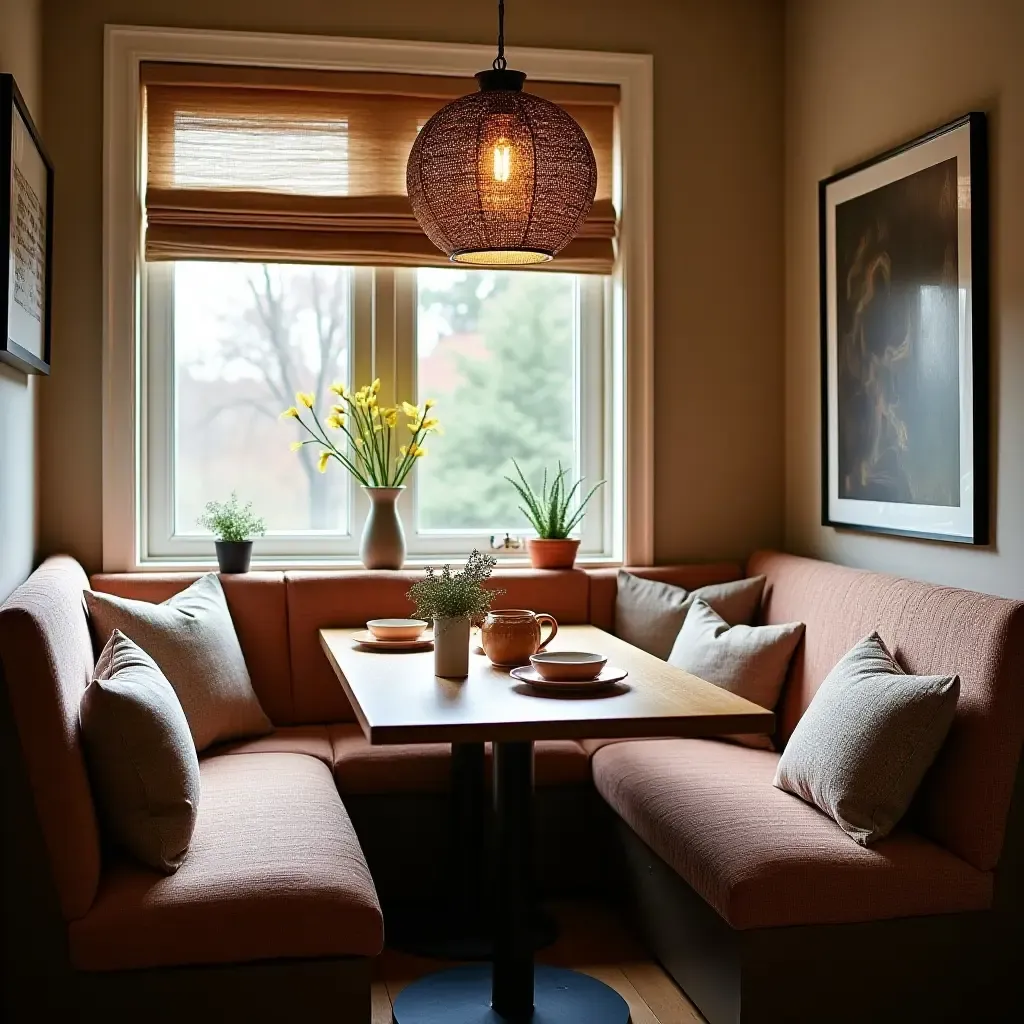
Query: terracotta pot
(510, 636)
(383, 543)
(552, 554)
(451, 648)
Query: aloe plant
(548, 510)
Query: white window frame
(625, 516)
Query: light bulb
(502, 160)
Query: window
(187, 395)
(514, 359)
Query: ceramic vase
(383, 542)
(451, 648)
(233, 556)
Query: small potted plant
(233, 525)
(454, 601)
(552, 514)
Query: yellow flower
(410, 410)
(371, 402)
(390, 416)
(335, 421)
(359, 442)
(321, 463)
(290, 413)
(432, 424)
(375, 386)
(417, 451)
(306, 398)
(338, 410)
(429, 403)
(295, 445)
(339, 389)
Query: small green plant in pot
(233, 526)
(454, 601)
(554, 512)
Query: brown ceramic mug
(510, 636)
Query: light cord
(500, 63)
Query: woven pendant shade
(501, 177)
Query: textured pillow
(649, 613)
(142, 762)
(750, 661)
(866, 740)
(192, 638)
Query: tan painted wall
(860, 78)
(718, 150)
(21, 56)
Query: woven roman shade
(306, 166)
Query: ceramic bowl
(396, 629)
(567, 666)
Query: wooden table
(398, 699)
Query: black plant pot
(233, 555)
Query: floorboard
(592, 940)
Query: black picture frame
(13, 347)
(884, 507)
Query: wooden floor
(592, 940)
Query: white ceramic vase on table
(451, 648)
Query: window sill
(354, 565)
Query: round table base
(462, 995)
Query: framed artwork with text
(26, 218)
(904, 321)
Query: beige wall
(21, 56)
(861, 77)
(718, 242)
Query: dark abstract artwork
(898, 351)
(904, 286)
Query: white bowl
(396, 629)
(568, 666)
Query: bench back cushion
(47, 659)
(931, 630)
(260, 616)
(604, 584)
(323, 600)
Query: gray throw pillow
(751, 661)
(649, 613)
(866, 740)
(192, 638)
(142, 762)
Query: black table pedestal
(511, 990)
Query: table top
(398, 699)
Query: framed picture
(904, 325)
(26, 218)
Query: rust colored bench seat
(274, 870)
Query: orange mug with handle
(509, 636)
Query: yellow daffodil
(290, 413)
(295, 445)
(338, 410)
(339, 389)
(375, 386)
(335, 421)
(429, 403)
(415, 450)
(410, 410)
(321, 463)
(306, 398)
(390, 416)
(431, 424)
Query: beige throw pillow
(751, 661)
(142, 762)
(649, 613)
(866, 740)
(192, 639)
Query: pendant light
(501, 177)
